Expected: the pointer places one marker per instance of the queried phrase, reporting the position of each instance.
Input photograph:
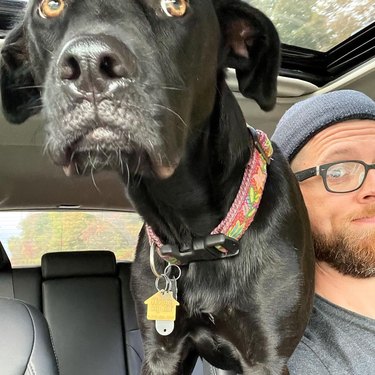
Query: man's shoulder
(309, 358)
(335, 342)
(312, 355)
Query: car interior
(65, 303)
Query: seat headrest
(78, 264)
(4, 260)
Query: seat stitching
(32, 322)
(34, 330)
(31, 367)
(54, 349)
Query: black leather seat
(87, 302)
(6, 276)
(82, 304)
(25, 342)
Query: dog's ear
(252, 47)
(19, 94)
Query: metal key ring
(167, 283)
(152, 262)
(168, 269)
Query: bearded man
(330, 142)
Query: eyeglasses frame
(321, 170)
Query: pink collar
(245, 205)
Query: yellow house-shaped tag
(161, 306)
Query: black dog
(138, 86)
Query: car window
(317, 24)
(27, 235)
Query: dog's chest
(203, 289)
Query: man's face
(343, 224)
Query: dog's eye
(174, 8)
(51, 8)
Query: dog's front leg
(166, 355)
(163, 355)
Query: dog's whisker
(87, 163)
(92, 160)
(119, 103)
(49, 51)
(94, 182)
(138, 165)
(46, 146)
(36, 107)
(173, 112)
(72, 156)
(128, 172)
(173, 88)
(3, 200)
(152, 146)
(118, 152)
(139, 181)
(29, 87)
(105, 154)
(76, 168)
(121, 162)
(84, 168)
(161, 86)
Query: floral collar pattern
(245, 205)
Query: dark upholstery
(25, 343)
(87, 301)
(83, 310)
(27, 286)
(78, 264)
(6, 275)
(134, 346)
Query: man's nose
(94, 65)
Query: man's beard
(350, 253)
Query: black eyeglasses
(340, 177)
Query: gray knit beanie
(308, 117)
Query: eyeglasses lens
(343, 177)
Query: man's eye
(337, 172)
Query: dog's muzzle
(102, 114)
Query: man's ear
(19, 95)
(252, 48)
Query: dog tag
(164, 327)
(162, 306)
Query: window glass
(317, 24)
(27, 235)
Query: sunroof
(317, 24)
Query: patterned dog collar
(245, 205)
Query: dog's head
(128, 80)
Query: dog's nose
(95, 65)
